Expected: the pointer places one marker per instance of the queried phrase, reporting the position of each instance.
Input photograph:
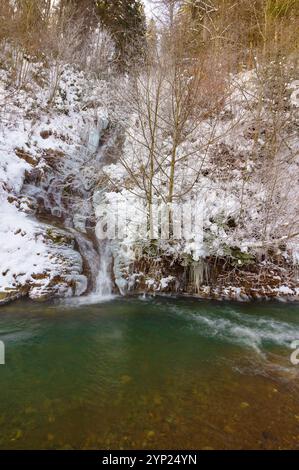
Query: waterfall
(104, 282)
(62, 197)
(103, 288)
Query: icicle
(198, 273)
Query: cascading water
(104, 282)
(63, 196)
(103, 289)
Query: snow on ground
(234, 182)
(33, 134)
(23, 252)
(44, 145)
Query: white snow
(23, 252)
(70, 130)
(285, 290)
(232, 179)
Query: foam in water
(251, 331)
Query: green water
(155, 374)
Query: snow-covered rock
(43, 148)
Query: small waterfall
(63, 198)
(104, 286)
(103, 289)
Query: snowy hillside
(243, 193)
(42, 149)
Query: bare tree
(62, 45)
(169, 99)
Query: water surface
(157, 374)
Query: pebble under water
(157, 373)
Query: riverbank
(217, 280)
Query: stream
(154, 373)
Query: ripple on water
(157, 374)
